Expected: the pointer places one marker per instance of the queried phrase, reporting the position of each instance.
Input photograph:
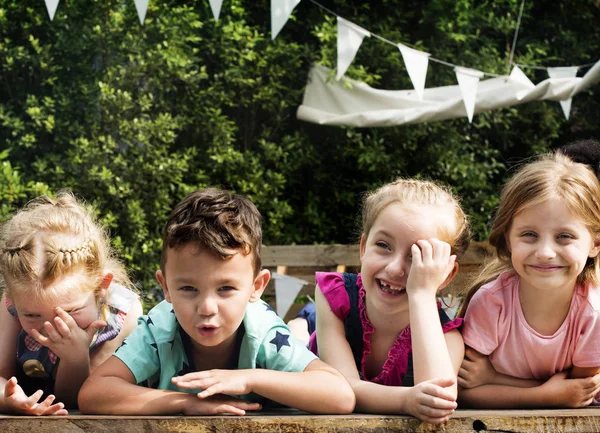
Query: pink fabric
(495, 326)
(394, 368)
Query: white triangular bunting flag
(519, 76)
(141, 7)
(564, 72)
(468, 79)
(286, 290)
(350, 36)
(416, 64)
(280, 13)
(215, 5)
(51, 5)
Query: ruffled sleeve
(331, 285)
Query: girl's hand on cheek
(65, 338)
(431, 265)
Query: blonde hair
(50, 239)
(551, 176)
(410, 193)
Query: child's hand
(432, 401)
(65, 338)
(218, 404)
(215, 382)
(431, 265)
(572, 393)
(18, 402)
(476, 370)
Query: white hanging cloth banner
(416, 63)
(353, 103)
(468, 79)
(350, 37)
(286, 290)
(51, 5)
(142, 7)
(280, 13)
(564, 72)
(215, 6)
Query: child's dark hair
(217, 220)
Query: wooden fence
(302, 261)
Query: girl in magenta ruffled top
(412, 232)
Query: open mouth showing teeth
(392, 290)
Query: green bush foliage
(132, 117)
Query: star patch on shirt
(280, 340)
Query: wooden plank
(283, 421)
(347, 255)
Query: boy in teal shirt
(212, 338)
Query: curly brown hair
(217, 220)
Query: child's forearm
(503, 379)
(504, 397)
(374, 398)
(70, 376)
(115, 396)
(431, 358)
(317, 391)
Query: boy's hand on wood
(475, 370)
(218, 404)
(18, 402)
(430, 267)
(432, 401)
(65, 338)
(214, 382)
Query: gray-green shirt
(156, 350)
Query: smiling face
(80, 303)
(210, 293)
(549, 246)
(386, 252)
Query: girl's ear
(163, 283)
(259, 285)
(363, 241)
(595, 249)
(105, 284)
(450, 276)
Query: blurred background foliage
(132, 117)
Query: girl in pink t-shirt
(532, 321)
(411, 233)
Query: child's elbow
(345, 402)
(86, 398)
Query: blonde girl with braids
(65, 306)
(384, 329)
(532, 320)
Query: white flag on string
(286, 290)
(518, 76)
(51, 5)
(416, 64)
(141, 7)
(564, 72)
(468, 79)
(350, 37)
(215, 5)
(280, 13)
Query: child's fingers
(227, 408)
(39, 337)
(62, 327)
(443, 382)
(93, 328)
(426, 250)
(52, 332)
(10, 387)
(33, 399)
(217, 388)
(65, 317)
